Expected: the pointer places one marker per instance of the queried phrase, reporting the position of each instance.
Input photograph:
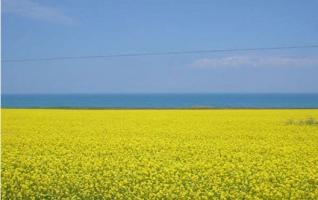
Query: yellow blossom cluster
(158, 154)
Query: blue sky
(36, 29)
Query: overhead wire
(163, 53)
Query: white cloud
(34, 10)
(254, 61)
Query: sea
(159, 101)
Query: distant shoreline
(163, 101)
(168, 108)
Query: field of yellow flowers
(158, 154)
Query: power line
(158, 53)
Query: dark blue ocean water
(162, 101)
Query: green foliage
(306, 122)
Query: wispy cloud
(254, 61)
(34, 10)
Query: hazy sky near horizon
(39, 29)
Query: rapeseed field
(159, 154)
